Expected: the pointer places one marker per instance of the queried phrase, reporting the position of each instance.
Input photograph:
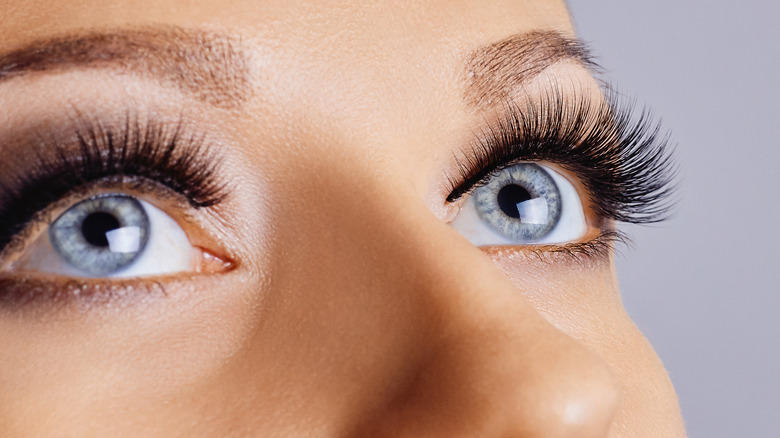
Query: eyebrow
(495, 70)
(210, 66)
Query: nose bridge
(493, 366)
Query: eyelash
(625, 164)
(134, 155)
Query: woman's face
(304, 262)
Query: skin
(348, 305)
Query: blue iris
(521, 202)
(101, 235)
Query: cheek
(151, 357)
(581, 298)
(577, 295)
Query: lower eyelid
(41, 293)
(597, 247)
(20, 291)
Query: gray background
(703, 287)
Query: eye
(527, 203)
(114, 235)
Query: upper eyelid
(513, 162)
(476, 164)
(624, 162)
(466, 188)
(167, 154)
(147, 190)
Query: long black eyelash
(623, 161)
(147, 151)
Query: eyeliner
(132, 153)
(623, 161)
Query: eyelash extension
(623, 161)
(151, 152)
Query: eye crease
(623, 165)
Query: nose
(492, 365)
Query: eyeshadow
(136, 152)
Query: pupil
(95, 227)
(508, 198)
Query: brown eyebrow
(210, 66)
(493, 71)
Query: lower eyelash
(597, 248)
(600, 246)
(37, 293)
(42, 293)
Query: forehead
(322, 41)
(282, 17)
(382, 74)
